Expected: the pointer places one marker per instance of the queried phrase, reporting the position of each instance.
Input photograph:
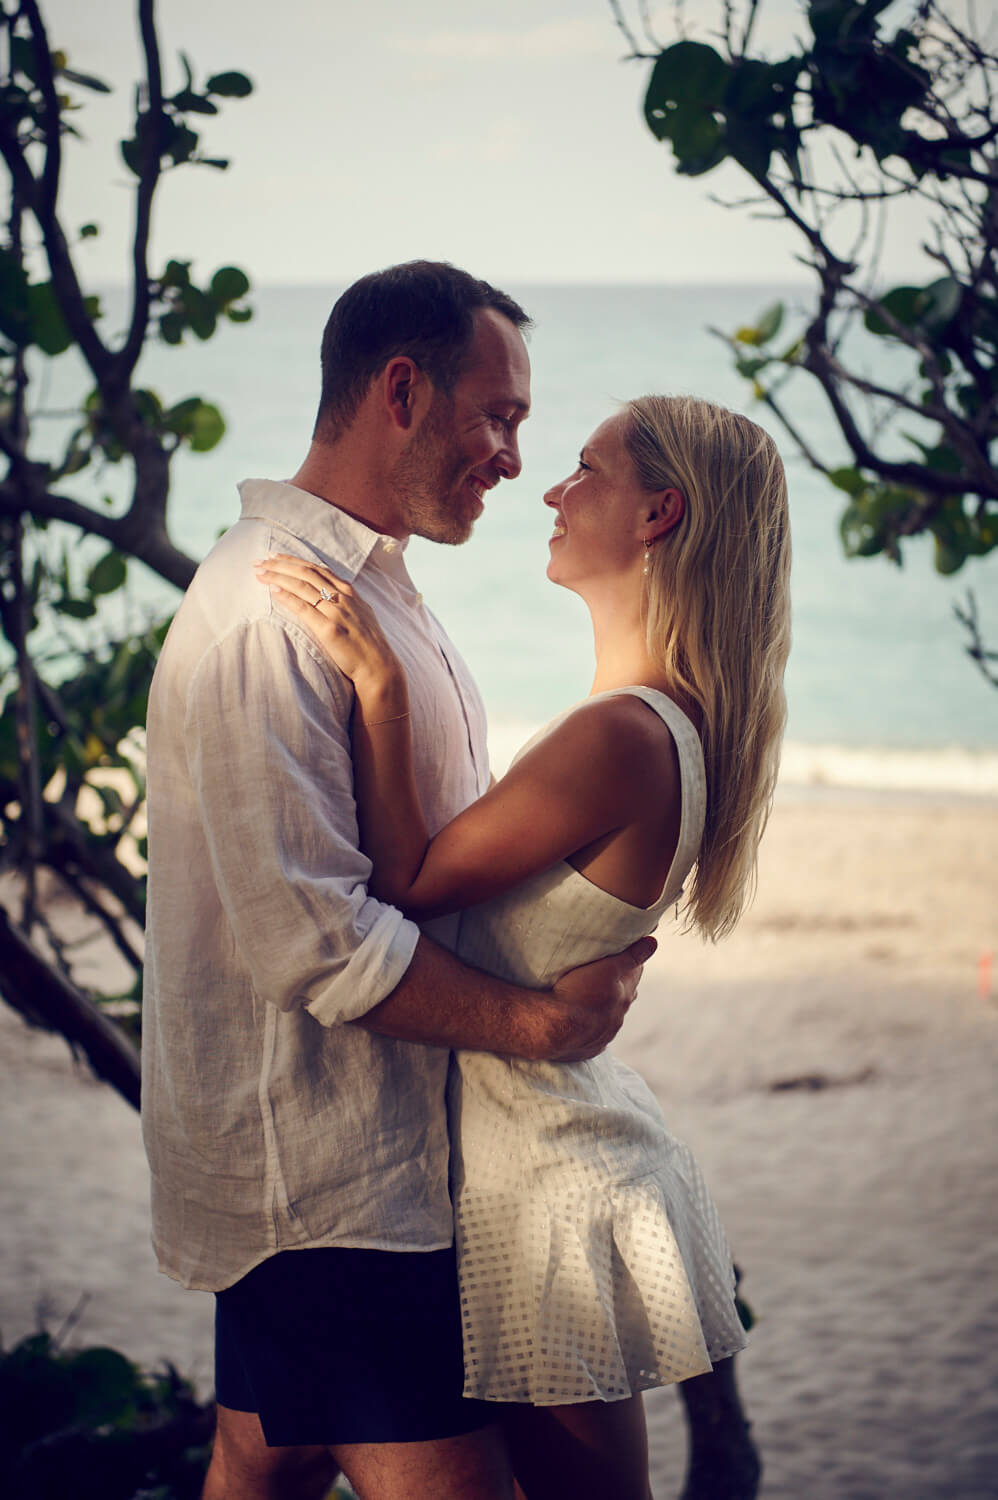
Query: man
(296, 1030)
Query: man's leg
(474, 1466)
(355, 1354)
(244, 1468)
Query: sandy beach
(833, 1064)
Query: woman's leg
(590, 1451)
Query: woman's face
(601, 512)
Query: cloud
(541, 43)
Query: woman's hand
(344, 626)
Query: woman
(592, 1262)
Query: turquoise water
(877, 658)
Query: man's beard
(427, 477)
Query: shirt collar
(322, 524)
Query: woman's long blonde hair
(717, 615)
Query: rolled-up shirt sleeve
(268, 747)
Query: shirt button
(388, 543)
(419, 598)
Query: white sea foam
(952, 770)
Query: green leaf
(77, 455)
(132, 155)
(682, 105)
(942, 302)
(986, 533)
(752, 147)
(208, 428)
(108, 1385)
(955, 536)
(177, 273)
(873, 520)
(181, 143)
(749, 368)
(928, 308)
(850, 480)
(107, 574)
(111, 800)
(22, 57)
(229, 85)
(200, 311)
(859, 539)
(942, 360)
(835, 19)
(15, 316)
(902, 304)
(767, 327)
(698, 141)
(956, 157)
(78, 609)
(16, 103)
(229, 284)
(751, 87)
(690, 73)
(196, 103)
(180, 417)
(48, 326)
(745, 1314)
(948, 557)
(196, 422)
(171, 328)
(941, 456)
(148, 405)
(85, 81)
(770, 322)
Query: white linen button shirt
(269, 1124)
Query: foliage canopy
(865, 116)
(71, 771)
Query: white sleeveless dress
(591, 1258)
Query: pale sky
(505, 138)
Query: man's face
(467, 441)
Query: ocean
(880, 689)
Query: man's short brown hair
(423, 309)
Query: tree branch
(41, 198)
(151, 546)
(44, 997)
(976, 650)
(151, 171)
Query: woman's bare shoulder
(619, 737)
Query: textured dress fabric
(592, 1260)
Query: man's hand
(587, 1006)
(441, 1002)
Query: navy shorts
(346, 1346)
